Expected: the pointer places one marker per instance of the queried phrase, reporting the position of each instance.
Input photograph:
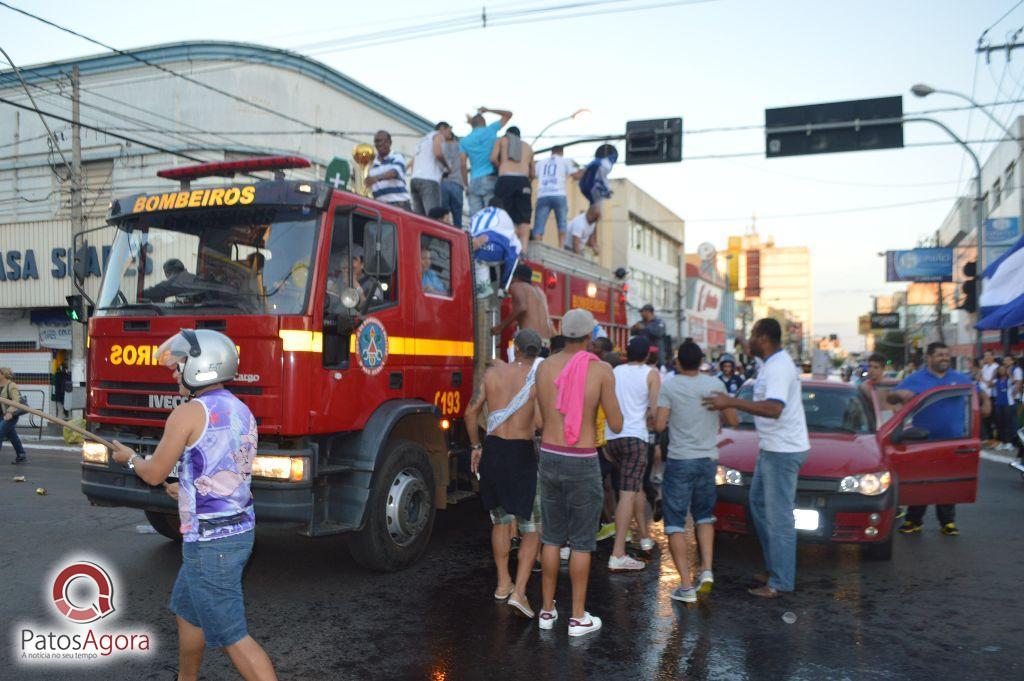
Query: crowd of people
(1002, 380)
(494, 174)
(578, 436)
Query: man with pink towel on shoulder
(570, 386)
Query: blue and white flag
(1002, 291)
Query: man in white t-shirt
(581, 232)
(989, 366)
(551, 175)
(782, 429)
(429, 165)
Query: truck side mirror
(380, 249)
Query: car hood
(833, 455)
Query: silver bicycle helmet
(204, 357)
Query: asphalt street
(944, 607)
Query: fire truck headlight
(94, 452)
(290, 468)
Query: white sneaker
(547, 618)
(625, 563)
(588, 624)
(646, 544)
(564, 552)
(705, 581)
(684, 595)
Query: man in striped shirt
(387, 176)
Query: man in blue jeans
(477, 147)
(551, 174)
(689, 478)
(782, 429)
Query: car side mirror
(910, 434)
(379, 248)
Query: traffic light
(655, 141)
(76, 309)
(970, 287)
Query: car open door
(937, 465)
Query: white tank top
(425, 164)
(634, 398)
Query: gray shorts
(571, 498)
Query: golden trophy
(363, 155)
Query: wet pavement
(944, 607)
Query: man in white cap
(570, 386)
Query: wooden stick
(60, 422)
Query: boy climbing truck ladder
(357, 373)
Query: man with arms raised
(507, 463)
(570, 386)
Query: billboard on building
(885, 320)
(919, 264)
(753, 288)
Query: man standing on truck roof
(943, 420)
(428, 166)
(214, 437)
(507, 463)
(529, 307)
(514, 160)
(477, 147)
(386, 178)
(570, 386)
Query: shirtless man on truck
(570, 386)
(529, 307)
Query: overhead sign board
(654, 141)
(919, 264)
(885, 320)
(857, 125)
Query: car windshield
(251, 261)
(828, 410)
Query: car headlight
(728, 476)
(870, 484)
(94, 452)
(289, 468)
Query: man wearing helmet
(727, 374)
(214, 437)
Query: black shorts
(515, 193)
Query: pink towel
(571, 385)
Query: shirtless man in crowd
(570, 386)
(529, 308)
(514, 160)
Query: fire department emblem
(372, 346)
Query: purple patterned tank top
(214, 499)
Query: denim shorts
(571, 496)
(688, 484)
(208, 591)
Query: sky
(716, 63)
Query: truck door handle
(965, 450)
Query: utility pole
(78, 330)
(938, 312)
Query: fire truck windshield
(248, 261)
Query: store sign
(1002, 231)
(55, 337)
(886, 320)
(920, 264)
(17, 265)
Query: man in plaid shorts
(636, 388)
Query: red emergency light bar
(231, 168)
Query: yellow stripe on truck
(313, 341)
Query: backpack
(589, 178)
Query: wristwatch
(475, 447)
(131, 461)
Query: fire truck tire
(400, 511)
(166, 524)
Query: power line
(996, 22)
(840, 211)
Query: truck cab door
(933, 446)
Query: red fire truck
(355, 325)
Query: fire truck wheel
(166, 524)
(400, 510)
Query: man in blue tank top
(213, 436)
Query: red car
(866, 459)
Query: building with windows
(271, 102)
(641, 235)
(776, 280)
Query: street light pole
(552, 124)
(979, 206)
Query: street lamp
(922, 90)
(570, 117)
